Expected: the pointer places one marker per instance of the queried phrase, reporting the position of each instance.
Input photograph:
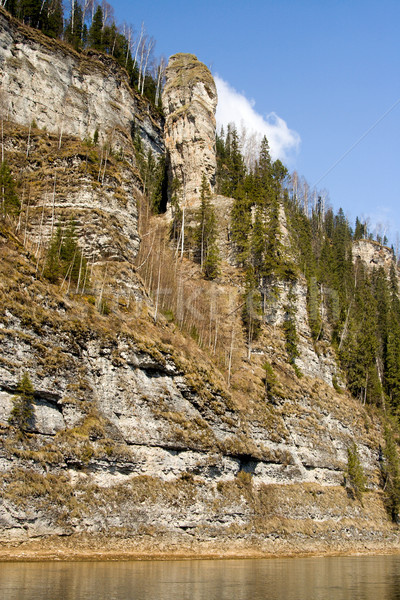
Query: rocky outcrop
(189, 102)
(373, 254)
(44, 81)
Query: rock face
(373, 254)
(135, 438)
(189, 102)
(46, 82)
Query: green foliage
(205, 234)
(270, 380)
(391, 475)
(289, 328)
(361, 307)
(65, 259)
(96, 30)
(22, 411)
(159, 187)
(177, 215)
(355, 472)
(154, 176)
(251, 310)
(241, 226)
(230, 164)
(10, 204)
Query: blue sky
(329, 69)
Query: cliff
(137, 443)
(373, 254)
(47, 82)
(189, 101)
(155, 431)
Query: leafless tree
(108, 13)
(160, 77)
(150, 46)
(138, 44)
(87, 6)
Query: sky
(320, 78)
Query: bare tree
(86, 5)
(138, 44)
(160, 77)
(150, 47)
(295, 187)
(108, 13)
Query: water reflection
(358, 578)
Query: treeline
(89, 24)
(277, 236)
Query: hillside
(156, 420)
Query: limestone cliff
(189, 103)
(47, 82)
(138, 444)
(147, 436)
(373, 254)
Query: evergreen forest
(352, 306)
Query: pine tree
(96, 30)
(12, 7)
(73, 31)
(251, 311)
(205, 235)
(53, 268)
(52, 18)
(241, 226)
(30, 11)
(391, 476)
(22, 411)
(359, 231)
(355, 472)
(9, 200)
(258, 244)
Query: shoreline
(19, 555)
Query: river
(330, 578)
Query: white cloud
(234, 107)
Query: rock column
(189, 102)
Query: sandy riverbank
(44, 551)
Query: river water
(331, 578)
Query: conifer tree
(52, 269)
(64, 257)
(391, 475)
(52, 18)
(12, 7)
(22, 411)
(258, 244)
(73, 31)
(251, 311)
(29, 11)
(205, 235)
(8, 196)
(241, 226)
(70, 253)
(96, 30)
(355, 472)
